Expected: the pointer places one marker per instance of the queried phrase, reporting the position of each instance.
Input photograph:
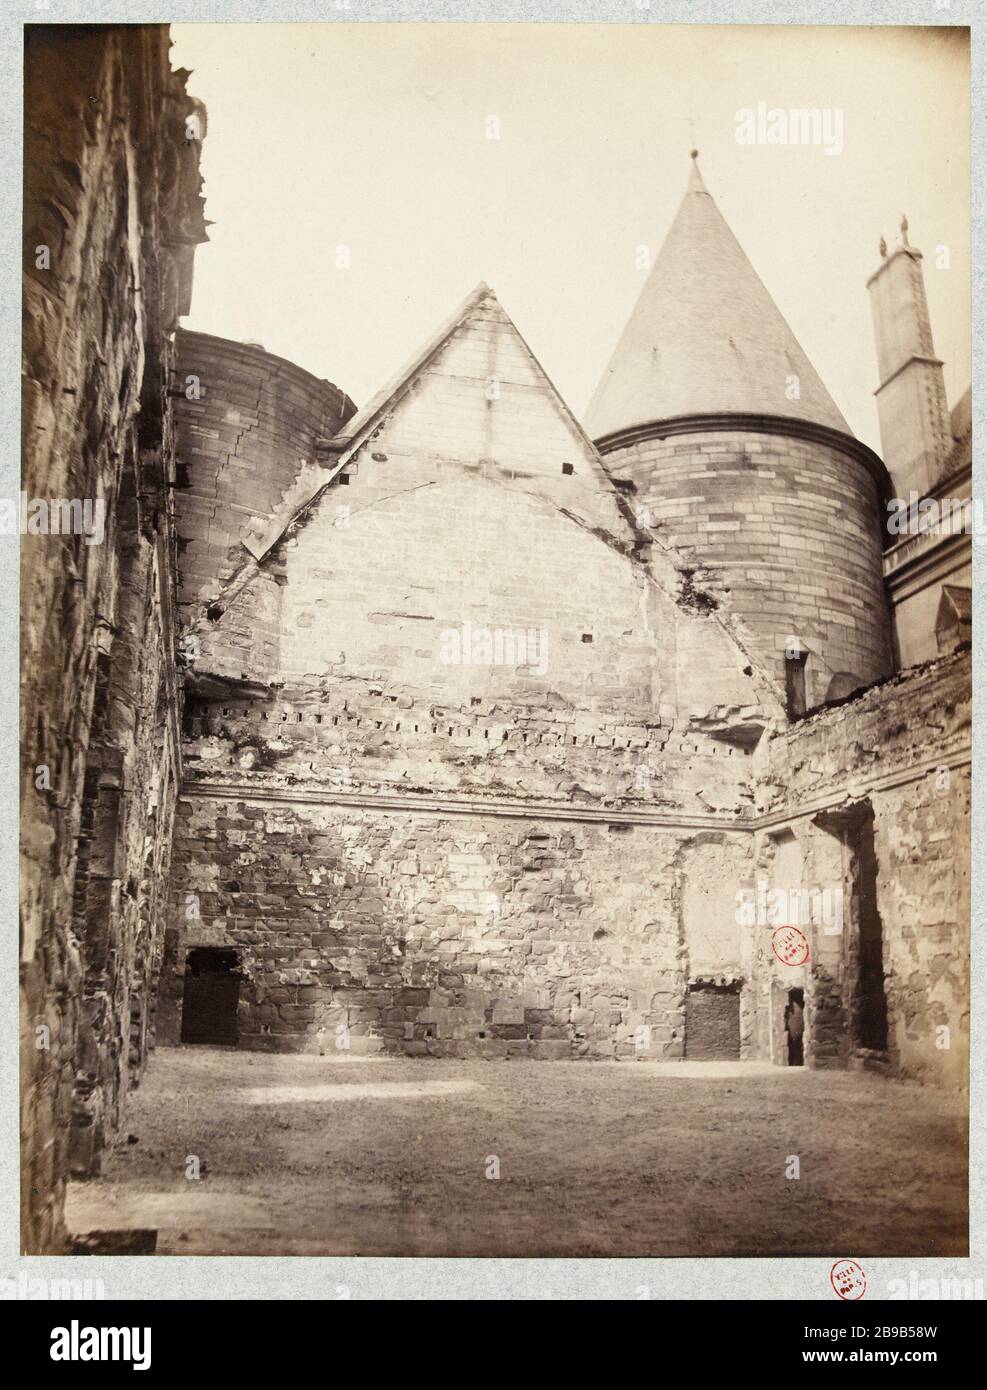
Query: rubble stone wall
(901, 751)
(112, 215)
(465, 934)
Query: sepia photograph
(496, 530)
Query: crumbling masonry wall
(434, 924)
(900, 754)
(112, 215)
(526, 856)
(454, 935)
(457, 834)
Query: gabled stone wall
(409, 828)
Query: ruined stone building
(450, 725)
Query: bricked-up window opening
(210, 996)
(712, 1023)
(871, 1005)
(794, 1027)
(795, 684)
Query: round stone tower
(743, 462)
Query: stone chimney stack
(911, 397)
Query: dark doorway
(794, 1027)
(209, 1000)
(712, 1023)
(871, 1006)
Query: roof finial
(695, 184)
(904, 230)
(883, 248)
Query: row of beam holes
(683, 747)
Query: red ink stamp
(790, 945)
(848, 1279)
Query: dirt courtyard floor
(324, 1156)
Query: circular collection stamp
(790, 945)
(848, 1279)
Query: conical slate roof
(705, 337)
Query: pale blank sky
(373, 136)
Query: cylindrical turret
(743, 462)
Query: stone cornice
(462, 806)
(918, 561)
(753, 424)
(918, 357)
